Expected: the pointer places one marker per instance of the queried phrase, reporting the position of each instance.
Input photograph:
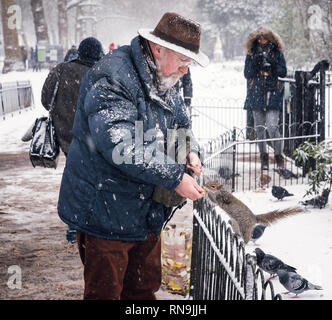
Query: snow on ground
(303, 241)
(15, 125)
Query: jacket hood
(267, 34)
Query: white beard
(167, 82)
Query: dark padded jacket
(70, 75)
(264, 92)
(107, 185)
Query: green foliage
(322, 173)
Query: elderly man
(120, 155)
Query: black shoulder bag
(44, 148)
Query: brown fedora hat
(179, 34)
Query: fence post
(18, 96)
(324, 65)
(250, 278)
(194, 256)
(234, 159)
(2, 106)
(299, 79)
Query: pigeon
(270, 263)
(319, 201)
(295, 283)
(285, 173)
(257, 232)
(280, 192)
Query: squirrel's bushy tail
(275, 215)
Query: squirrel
(243, 219)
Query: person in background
(71, 54)
(185, 83)
(24, 56)
(264, 63)
(111, 46)
(36, 65)
(68, 77)
(127, 96)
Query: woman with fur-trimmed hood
(264, 63)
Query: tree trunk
(13, 55)
(63, 24)
(39, 21)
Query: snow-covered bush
(322, 173)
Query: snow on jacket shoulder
(108, 181)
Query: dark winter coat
(100, 195)
(264, 92)
(70, 75)
(71, 54)
(185, 84)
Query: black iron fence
(220, 267)
(15, 96)
(235, 161)
(211, 117)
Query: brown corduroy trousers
(116, 270)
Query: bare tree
(63, 23)
(39, 21)
(13, 55)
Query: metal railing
(220, 267)
(235, 161)
(15, 96)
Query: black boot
(264, 161)
(279, 160)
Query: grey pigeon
(257, 232)
(319, 201)
(280, 192)
(285, 173)
(295, 283)
(270, 263)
